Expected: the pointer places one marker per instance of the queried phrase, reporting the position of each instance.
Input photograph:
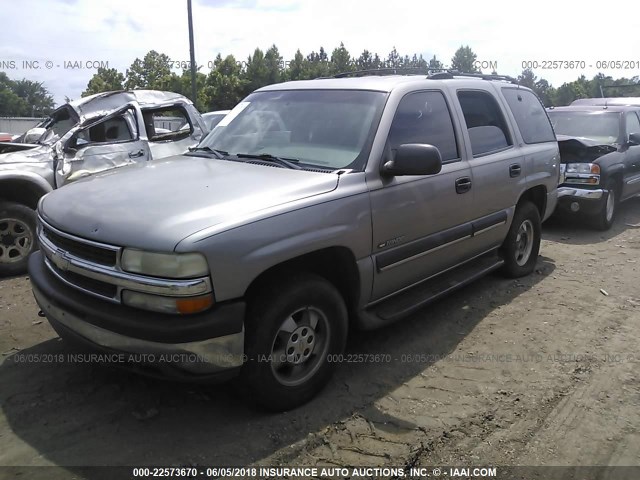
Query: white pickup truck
(83, 137)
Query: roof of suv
(630, 101)
(595, 108)
(380, 83)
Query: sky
(62, 42)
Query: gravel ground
(536, 371)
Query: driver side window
(633, 124)
(112, 130)
(423, 117)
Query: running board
(407, 302)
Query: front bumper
(203, 346)
(589, 201)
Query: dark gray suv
(313, 206)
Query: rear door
(170, 130)
(497, 165)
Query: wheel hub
(15, 241)
(300, 345)
(8, 240)
(524, 242)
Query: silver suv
(312, 207)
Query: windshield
(602, 127)
(326, 128)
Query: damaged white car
(81, 138)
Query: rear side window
(167, 124)
(423, 117)
(530, 116)
(487, 127)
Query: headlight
(157, 303)
(582, 173)
(166, 265)
(583, 168)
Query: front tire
(522, 245)
(17, 237)
(293, 328)
(604, 219)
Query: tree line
(24, 98)
(230, 79)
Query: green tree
(37, 98)
(394, 60)
(256, 74)
(152, 72)
(367, 61)
(105, 80)
(341, 60)
(464, 60)
(224, 86)
(296, 69)
(273, 62)
(317, 64)
(435, 64)
(11, 105)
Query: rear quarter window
(530, 116)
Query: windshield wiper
(221, 154)
(267, 157)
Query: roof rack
(384, 71)
(454, 73)
(431, 73)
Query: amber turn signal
(194, 304)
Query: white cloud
(118, 31)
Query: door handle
(137, 154)
(463, 184)
(515, 170)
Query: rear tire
(17, 237)
(604, 219)
(293, 328)
(522, 245)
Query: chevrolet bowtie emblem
(61, 260)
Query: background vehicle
(83, 137)
(317, 206)
(600, 152)
(613, 101)
(211, 119)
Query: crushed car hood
(12, 153)
(157, 204)
(582, 149)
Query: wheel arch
(335, 264)
(536, 195)
(23, 187)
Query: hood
(13, 153)
(156, 205)
(582, 149)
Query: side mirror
(33, 135)
(634, 138)
(414, 159)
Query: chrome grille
(86, 251)
(86, 284)
(94, 268)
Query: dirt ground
(537, 371)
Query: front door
(421, 223)
(107, 143)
